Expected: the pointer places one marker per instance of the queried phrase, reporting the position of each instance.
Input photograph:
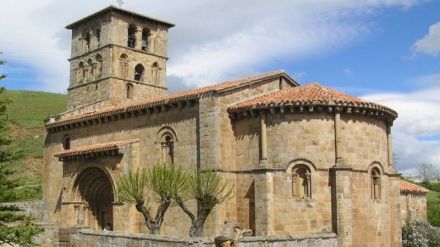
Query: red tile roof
(408, 187)
(170, 98)
(95, 148)
(310, 94)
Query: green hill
(29, 108)
(27, 111)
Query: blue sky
(382, 50)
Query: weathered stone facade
(302, 160)
(412, 202)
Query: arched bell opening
(94, 188)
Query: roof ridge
(182, 95)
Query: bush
(420, 234)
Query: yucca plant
(165, 181)
(208, 189)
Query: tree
(165, 181)
(15, 227)
(427, 172)
(209, 190)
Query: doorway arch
(93, 187)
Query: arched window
(155, 73)
(145, 34)
(98, 65)
(87, 39)
(301, 182)
(90, 70)
(80, 73)
(66, 142)
(123, 65)
(167, 148)
(130, 91)
(375, 183)
(138, 72)
(131, 36)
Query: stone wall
(59, 176)
(89, 238)
(38, 211)
(413, 206)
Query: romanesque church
(303, 159)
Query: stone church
(304, 160)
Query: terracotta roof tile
(174, 97)
(406, 186)
(95, 148)
(312, 93)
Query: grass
(433, 196)
(27, 112)
(30, 108)
(433, 203)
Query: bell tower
(117, 56)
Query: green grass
(27, 112)
(433, 202)
(432, 196)
(30, 108)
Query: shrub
(420, 234)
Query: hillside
(27, 111)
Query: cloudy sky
(383, 50)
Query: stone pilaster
(263, 139)
(342, 203)
(138, 43)
(395, 214)
(390, 148)
(264, 203)
(341, 191)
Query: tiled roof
(124, 11)
(95, 148)
(408, 187)
(170, 98)
(309, 94)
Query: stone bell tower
(117, 56)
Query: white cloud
(430, 43)
(213, 40)
(416, 130)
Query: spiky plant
(208, 189)
(165, 181)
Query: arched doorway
(94, 188)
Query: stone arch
(302, 175)
(167, 138)
(300, 161)
(139, 72)
(123, 65)
(378, 165)
(93, 187)
(79, 170)
(129, 91)
(145, 37)
(155, 73)
(131, 36)
(376, 171)
(166, 129)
